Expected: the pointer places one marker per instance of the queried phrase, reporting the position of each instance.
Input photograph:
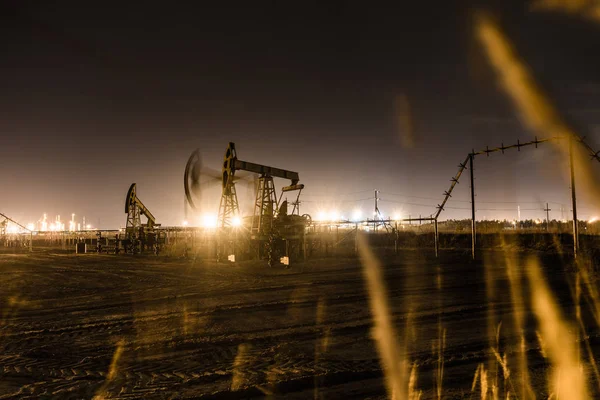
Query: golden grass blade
(112, 371)
(391, 355)
(518, 306)
(567, 377)
(239, 365)
(537, 111)
(589, 9)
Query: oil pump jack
(270, 231)
(138, 236)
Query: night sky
(95, 96)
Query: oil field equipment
(138, 236)
(270, 231)
(3, 228)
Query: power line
(469, 201)
(421, 205)
(421, 197)
(336, 194)
(511, 209)
(342, 201)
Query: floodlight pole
(573, 200)
(473, 229)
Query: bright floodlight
(236, 221)
(356, 215)
(185, 223)
(593, 219)
(321, 216)
(31, 226)
(209, 221)
(333, 216)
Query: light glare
(209, 221)
(333, 216)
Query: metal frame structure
(266, 225)
(265, 206)
(6, 218)
(135, 231)
(228, 206)
(471, 156)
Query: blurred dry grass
(392, 355)
(112, 374)
(589, 9)
(536, 109)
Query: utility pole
(547, 217)
(436, 236)
(376, 212)
(473, 228)
(573, 200)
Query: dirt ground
(79, 326)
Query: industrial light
(356, 215)
(184, 223)
(31, 226)
(321, 216)
(593, 219)
(209, 221)
(333, 216)
(236, 221)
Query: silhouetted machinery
(270, 232)
(139, 237)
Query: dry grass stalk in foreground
(393, 358)
(112, 371)
(536, 109)
(589, 9)
(239, 365)
(518, 307)
(567, 379)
